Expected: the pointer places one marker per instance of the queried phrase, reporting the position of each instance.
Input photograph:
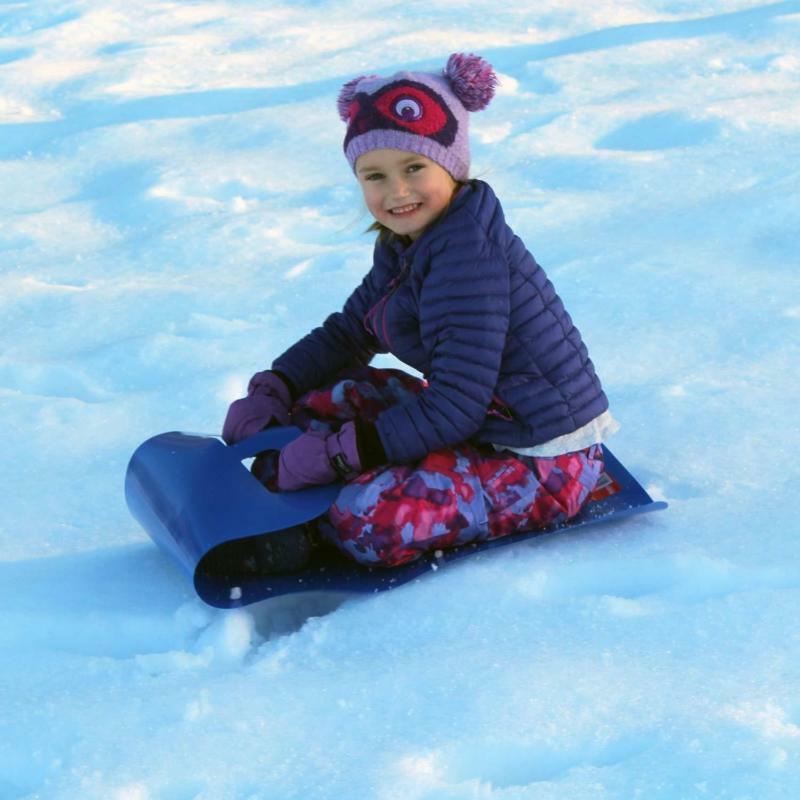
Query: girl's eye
(373, 176)
(415, 167)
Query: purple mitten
(268, 399)
(318, 457)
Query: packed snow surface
(176, 211)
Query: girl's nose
(398, 186)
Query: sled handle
(270, 439)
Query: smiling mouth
(403, 210)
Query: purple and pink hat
(421, 112)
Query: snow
(176, 211)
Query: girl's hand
(268, 400)
(319, 457)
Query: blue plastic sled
(194, 495)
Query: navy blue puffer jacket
(467, 305)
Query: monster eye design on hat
(402, 106)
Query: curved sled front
(191, 493)
(193, 496)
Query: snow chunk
(228, 638)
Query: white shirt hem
(595, 431)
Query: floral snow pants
(390, 515)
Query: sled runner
(194, 495)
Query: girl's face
(403, 191)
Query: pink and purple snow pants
(390, 515)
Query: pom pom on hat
(472, 79)
(347, 94)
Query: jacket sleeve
(464, 317)
(340, 341)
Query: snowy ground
(176, 211)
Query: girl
(504, 432)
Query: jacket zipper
(393, 286)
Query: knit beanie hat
(418, 111)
